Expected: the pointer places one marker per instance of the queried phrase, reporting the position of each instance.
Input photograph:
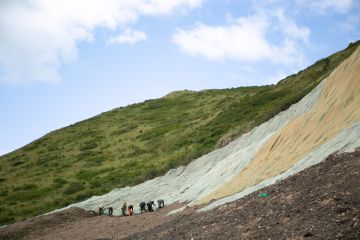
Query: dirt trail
(76, 223)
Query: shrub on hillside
(58, 182)
(74, 187)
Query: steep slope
(128, 145)
(202, 176)
(325, 121)
(336, 109)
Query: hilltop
(129, 145)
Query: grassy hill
(129, 145)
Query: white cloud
(38, 36)
(326, 6)
(128, 36)
(242, 40)
(246, 40)
(291, 28)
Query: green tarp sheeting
(263, 195)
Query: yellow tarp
(338, 107)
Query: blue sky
(65, 61)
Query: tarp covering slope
(337, 108)
(326, 120)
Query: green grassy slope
(129, 145)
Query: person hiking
(130, 210)
(149, 205)
(123, 209)
(101, 209)
(142, 207)
(110, 211)
(161, 203)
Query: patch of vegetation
(74, 188)
(58, 182)
(7, 216)
(132, 144)
(26, 187)
(88, 145)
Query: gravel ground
(321, 202)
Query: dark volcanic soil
(322, 202)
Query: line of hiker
(129, 210)
(102, 210)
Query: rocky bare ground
(322, 202)
(76, 223)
